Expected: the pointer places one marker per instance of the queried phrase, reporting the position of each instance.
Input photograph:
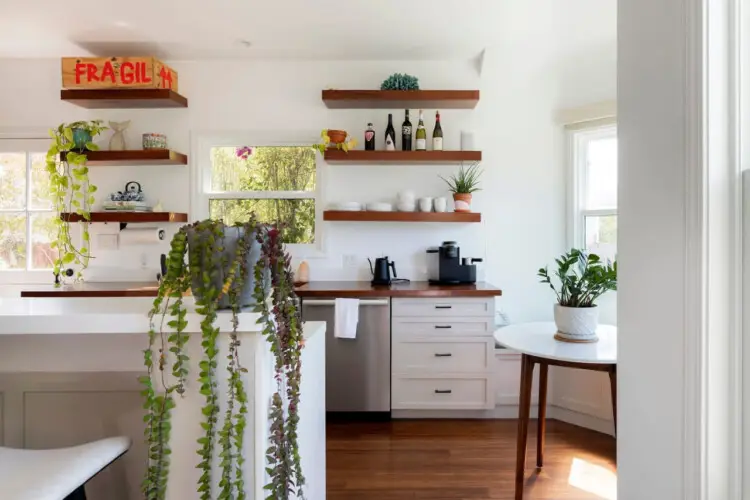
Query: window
(26, 214)
(594, 158)
(278, 183)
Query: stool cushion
(54, 474)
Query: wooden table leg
(524, 408)
(542, 421)
(613, 387)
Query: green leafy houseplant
(399, 81)
(219, 274)
(462, 185)
(71, 191)
(583, 278)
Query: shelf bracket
(123, 225)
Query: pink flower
(244, 152)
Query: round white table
(536, 343)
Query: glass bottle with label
(370, 138)
(390, 135)
(421, 134)
(406, 133)
(437, 134)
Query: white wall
(523, 198)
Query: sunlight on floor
(594, 479)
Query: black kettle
(381, 273)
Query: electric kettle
(381, 272)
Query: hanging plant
(71, 192)
(227, 267)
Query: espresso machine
(445, 266)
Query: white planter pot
(576, 324)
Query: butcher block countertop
(358, 289)
(344, 289)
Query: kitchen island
(68, 374)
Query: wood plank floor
(464, 460)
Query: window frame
(578, 137)
(201, 178)
(37, 142)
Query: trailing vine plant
(218, 280)
(71, 192)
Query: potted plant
(225, 267)
(583, 278)
(338, 139)
(463, 185)
(71, 192)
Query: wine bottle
(369, 138)
(390, 135)
(406, 133)
(421, 134)
(437, 134)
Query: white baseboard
(503, 412)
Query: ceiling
(296, 29)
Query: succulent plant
(398, 81)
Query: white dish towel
(347, 318)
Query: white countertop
(99, 315)
(538, 339)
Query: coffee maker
(445, 266)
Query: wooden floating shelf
(127, 217)
(367, 216)
(124, 98)
(406, 99)
(359, 156)
(134, 157)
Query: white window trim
(34, 139)
(200, 176)
(577, 214)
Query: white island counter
(68, 374)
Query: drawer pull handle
(443, 307)
(443, 327)
(443, 355)
(443, 391)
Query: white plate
(350, 206)
(380, 207)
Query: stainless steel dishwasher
(358, 371)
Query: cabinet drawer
(432, 327)
(449, 307)
(441, 393)
(443, 355)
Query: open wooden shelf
(134, 157)
(359, 156)
(406, 99)
(366, 216)
(124, 98)
(127, 217)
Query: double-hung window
(276, 182)
(27, 226)
(594, 188)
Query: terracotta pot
(462, 202)
(337, 136)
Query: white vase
(577, 324)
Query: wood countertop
(358, 289)
(344, 289)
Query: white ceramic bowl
(379, 207)
(407, 196)
(406, 206)
(350, 206)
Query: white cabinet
(442, 354)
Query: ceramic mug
(441, 204)
(425, 204)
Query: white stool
(56, 474)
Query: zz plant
(583, 277)
(217, 279)
(71, 191)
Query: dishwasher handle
(331, 302)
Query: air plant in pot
(583, 278)
(462, 185)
